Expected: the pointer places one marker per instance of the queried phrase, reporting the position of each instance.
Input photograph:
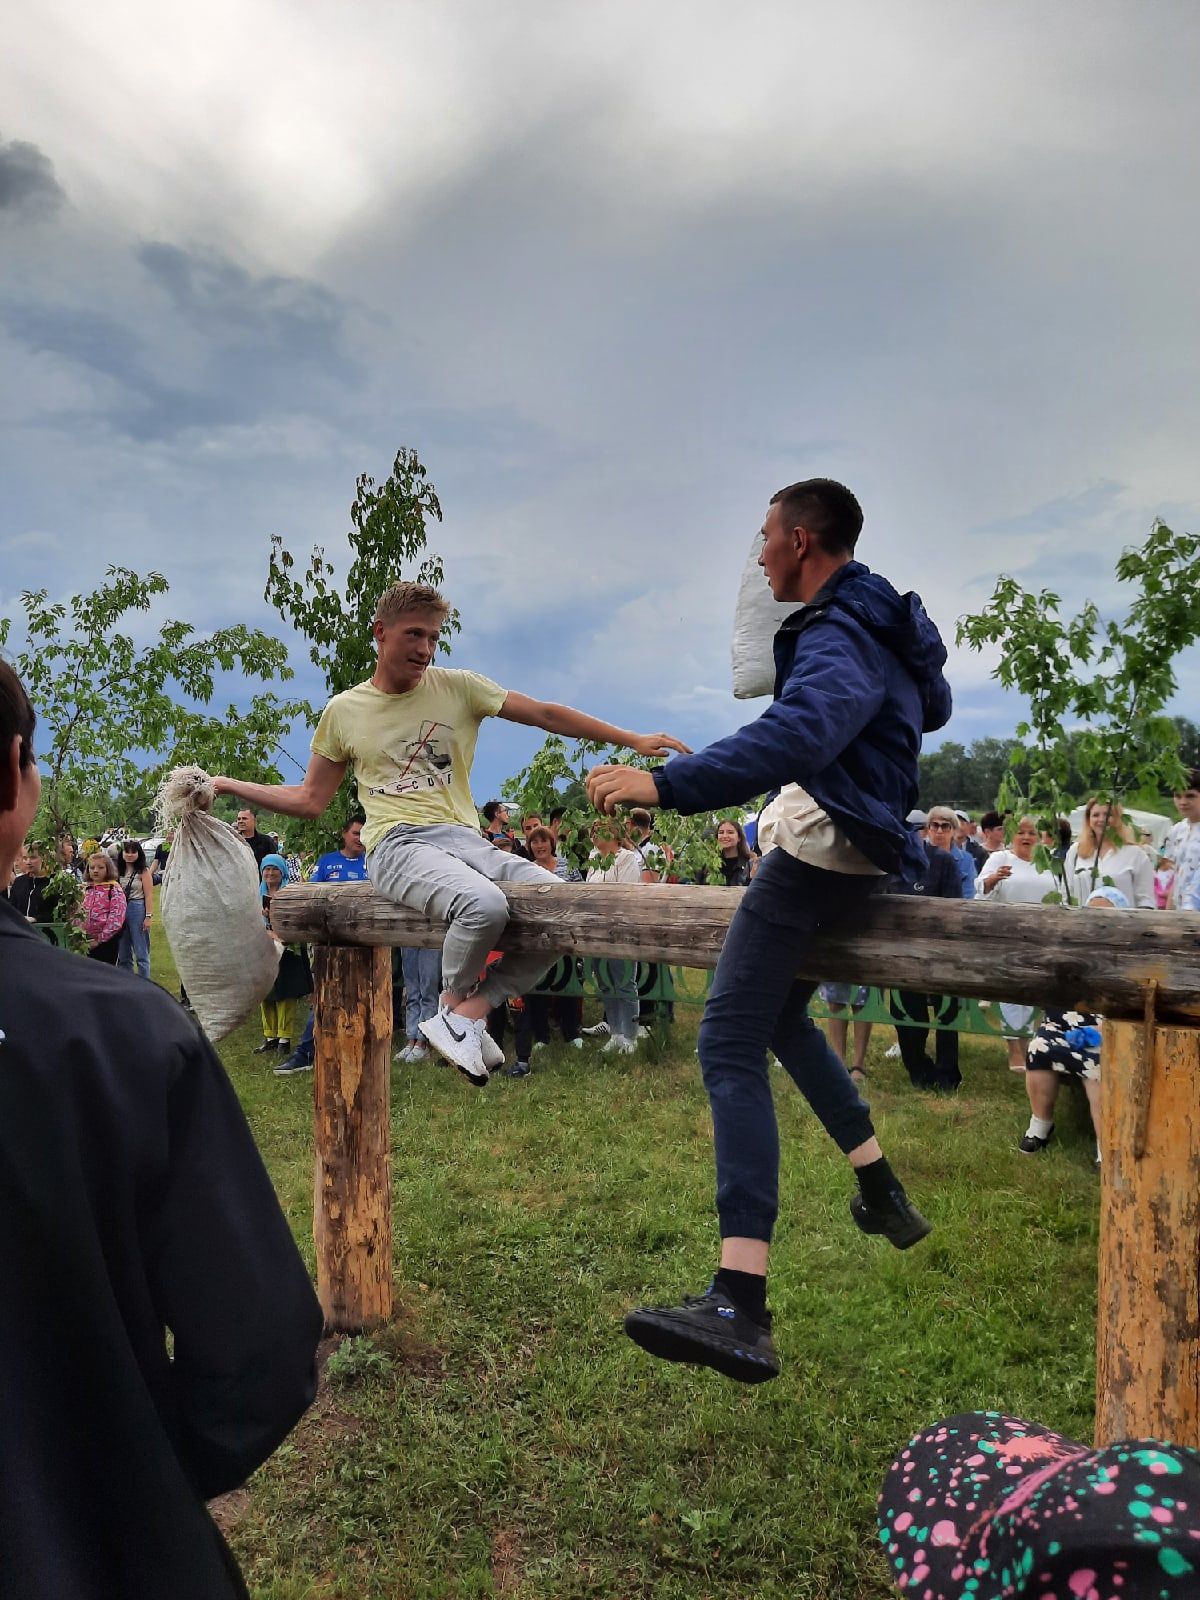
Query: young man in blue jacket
(858, 679)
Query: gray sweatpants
(449, 874)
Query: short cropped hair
(17, 717)
(826, 508)
(558, 813)
(641, 818)
(1191, 780)
(402, 597)
(490, 810)
(990, 820)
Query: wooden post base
(1148, 1322)
(352, 1188)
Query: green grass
(504, 1438)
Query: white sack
(755, 624)
(210, 908)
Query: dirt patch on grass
(507, 1561)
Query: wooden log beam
(352, 1182)
(1148, 1311)
(1038, 955)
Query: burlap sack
(210, 908)
(755, 624)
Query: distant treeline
(970, 778)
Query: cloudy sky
(616, 272)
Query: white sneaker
(457, 1039)
(538, 1044)
(405, 1054)
(617, 1046)
(598, 1030)
(417, 1051)
(493, 1055)
(576, 1044)
(892, 1053)
(643, 1033)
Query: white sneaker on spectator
(538, 1044)
(643, 1033)
(577, 1043)
(418, 1050)
(493, 1055)
(598, 1030)
(457, 1038)
(617, 1046)
(404, 1054)
(892, 1053)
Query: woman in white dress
(1011, 877)
(1107, 849)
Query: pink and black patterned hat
(987, 1507)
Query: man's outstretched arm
(306, 799)
(578, 725)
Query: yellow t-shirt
(411, 752)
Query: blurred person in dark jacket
(941, 880)
(858, 678)
(134, 1207)
(28, 888)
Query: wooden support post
(352, 1078)
(1148, 1323)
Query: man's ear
(10, 774)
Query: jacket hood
(275, 861)
(902, 625)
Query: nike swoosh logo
(457, 1037)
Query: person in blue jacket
(858, 680)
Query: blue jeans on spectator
(134, 945)
(617, 983)
(422, 988)
(756, 1003)
(306, 1050)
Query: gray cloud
(27, 181)
(618, 279)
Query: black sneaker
(266, 1047)
(519, 1069)
(1030, 1145)
(707, 1330)
(900, 1222)
(294, 1063)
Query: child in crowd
(294, 978)
(103, 909)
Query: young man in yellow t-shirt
(409, 732)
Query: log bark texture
(352, 1186)
(1039, 955)
(1148, 1321)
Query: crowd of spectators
(992, 859)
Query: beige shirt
(794, 822)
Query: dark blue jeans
(756, 1003)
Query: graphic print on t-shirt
(422, 763)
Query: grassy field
(504, 1438)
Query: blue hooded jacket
(858, 679)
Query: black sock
(877, 1183)
(749, 1289)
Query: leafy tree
(108, 709)
(1189, 741)
(389, 530)
(555, 777)
(1110, 677)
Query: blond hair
(110, 874)
(401, 597)
(1085, 845)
